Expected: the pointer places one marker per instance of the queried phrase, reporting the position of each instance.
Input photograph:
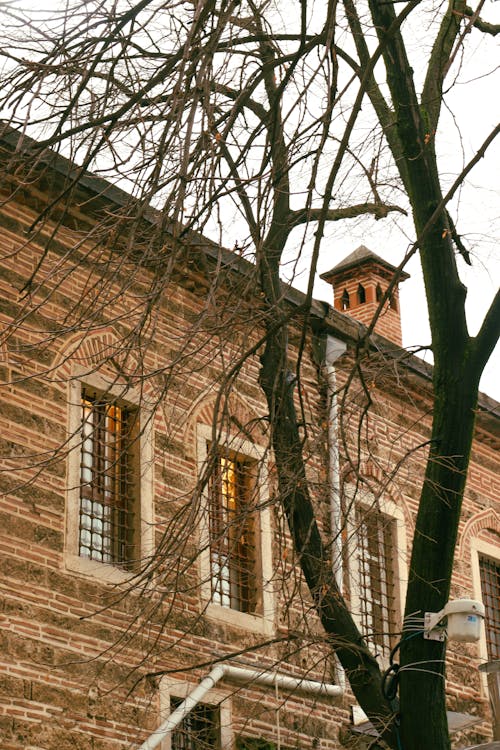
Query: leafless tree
(249, 110)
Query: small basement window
(198, 730)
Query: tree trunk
(422, 679)
(361, 668)
(455, 382)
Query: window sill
(102, 572)
(254, 623)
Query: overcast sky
(472, 110)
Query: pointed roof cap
(359, 257)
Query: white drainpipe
(334, 349)
(241, 674)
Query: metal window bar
(233, 559)
(106, 481)
(490, 589)
(198, 730)
(376, 578)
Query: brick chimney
(359, 282)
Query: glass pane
(106, 481)
(232, 536)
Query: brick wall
(74, 648)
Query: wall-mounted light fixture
(464, 618)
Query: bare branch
(478, 23)
(487, 338)
(439, 63)
(377, 210)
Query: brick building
(141, 548)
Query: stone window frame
(106, 572)
(264, 621)
(171, 687)
(482, 547)
(388, 508)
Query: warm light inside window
(106, 481)
(232, 524)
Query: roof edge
(327, 319)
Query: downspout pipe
(333, 350)
(240, 674)
(187, 705)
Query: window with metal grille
(198, 730)
(490, 589)
(376, 585)
(106, 524)
(233, 535)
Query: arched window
(393, 304)
(345, 302)
(361, 294)
(378, 293)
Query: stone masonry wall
(73, 647)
